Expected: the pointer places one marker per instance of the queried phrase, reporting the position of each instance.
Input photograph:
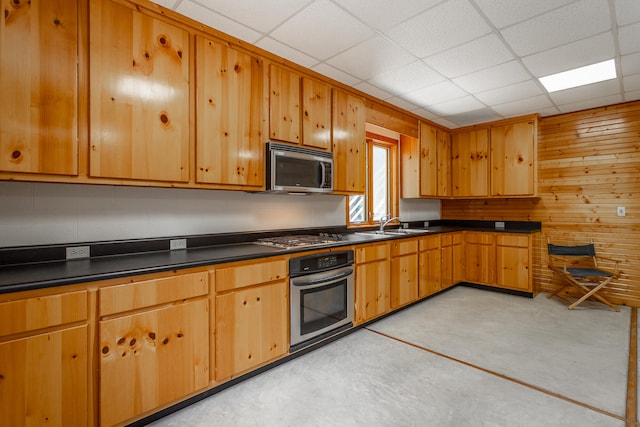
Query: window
(381, 196)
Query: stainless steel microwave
(294, 169)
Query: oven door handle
(346, 273)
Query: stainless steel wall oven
(322, 296)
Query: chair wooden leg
(592, 292)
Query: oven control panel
(319, 262)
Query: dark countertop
(37, 275)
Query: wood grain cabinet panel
(251, 327)
(425, 163)
(229, 144)
(139, 95)
(316, 114)
(404, 272)
(349, 143)
(373, 282)
(284, 105)
(38, 83)
(44, 379)
(470, 164)
(514, 260)
(452, 259)
(444, 163)
(480, 258)
(513, 159)
(429, 267)
(152, 358)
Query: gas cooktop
(299, 241)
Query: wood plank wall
(588, 164)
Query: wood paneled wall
(588, 165)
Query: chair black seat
(588, 272)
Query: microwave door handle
(323, 174)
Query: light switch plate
(622, 211)
(177, 244)
(500, 225)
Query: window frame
(392, 144)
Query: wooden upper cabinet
(470, 164)
(428, 160)
(425, 163)
(139, 95)
(349, 143)
(316, 114)
(300, 109)
(38, 83)
(229, 144)
(444, 163)
(513, 159)
(284, 104)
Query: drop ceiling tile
(507, 12)
(572, 55)
(510, 93)
(630, 64)
(329, 71)
(402, 103)
(546, 112)
(425, 114)
(217, 21)
(383, 14)
(583, 93)
(627, 11)
(628, 37)
(631, 83)
(322, 30)
(565, 25)
(590, 103)
(476, 55)
(371, 57)
(492, 78)
(263, 16)
(523, 106)
(457, 106)
(482, 115)
(405, 79)
(373, 91)
(286, 52)
(447, 25)
(435, 94)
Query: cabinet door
(251, 328)
(316, 116)
(38, 83)
(349, 143)
(444, 163)
(513, 268)
(152, 358)
(139, 98)
(429, 267)
(513, 159)
(404, 280)
(428, 160)
(43, 379)
(480, 258)
(373, 290)
(284, 104)
(470, 164)
(229, 146)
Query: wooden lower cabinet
(452, 259)
(251, 315)
(480, 257)
(44, 358)
(373, 281)
(404, 272)
(429, 268)
(514, 260)
(154, 344)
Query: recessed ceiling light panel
(588, 74)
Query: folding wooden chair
(578, 267)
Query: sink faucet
(386, 219)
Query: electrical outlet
(426, 224)
(622, 211)
(177, 244)
(78, 252)
(500, 225)
(405, 225)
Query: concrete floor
(466, 357)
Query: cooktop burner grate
(298, 241)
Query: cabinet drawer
(240, 276)
(131, 296)
(513, 240)
(451, 239)
(372, 253)
(480, 238)
(403, 247)
(42, 312)
(429, 243)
